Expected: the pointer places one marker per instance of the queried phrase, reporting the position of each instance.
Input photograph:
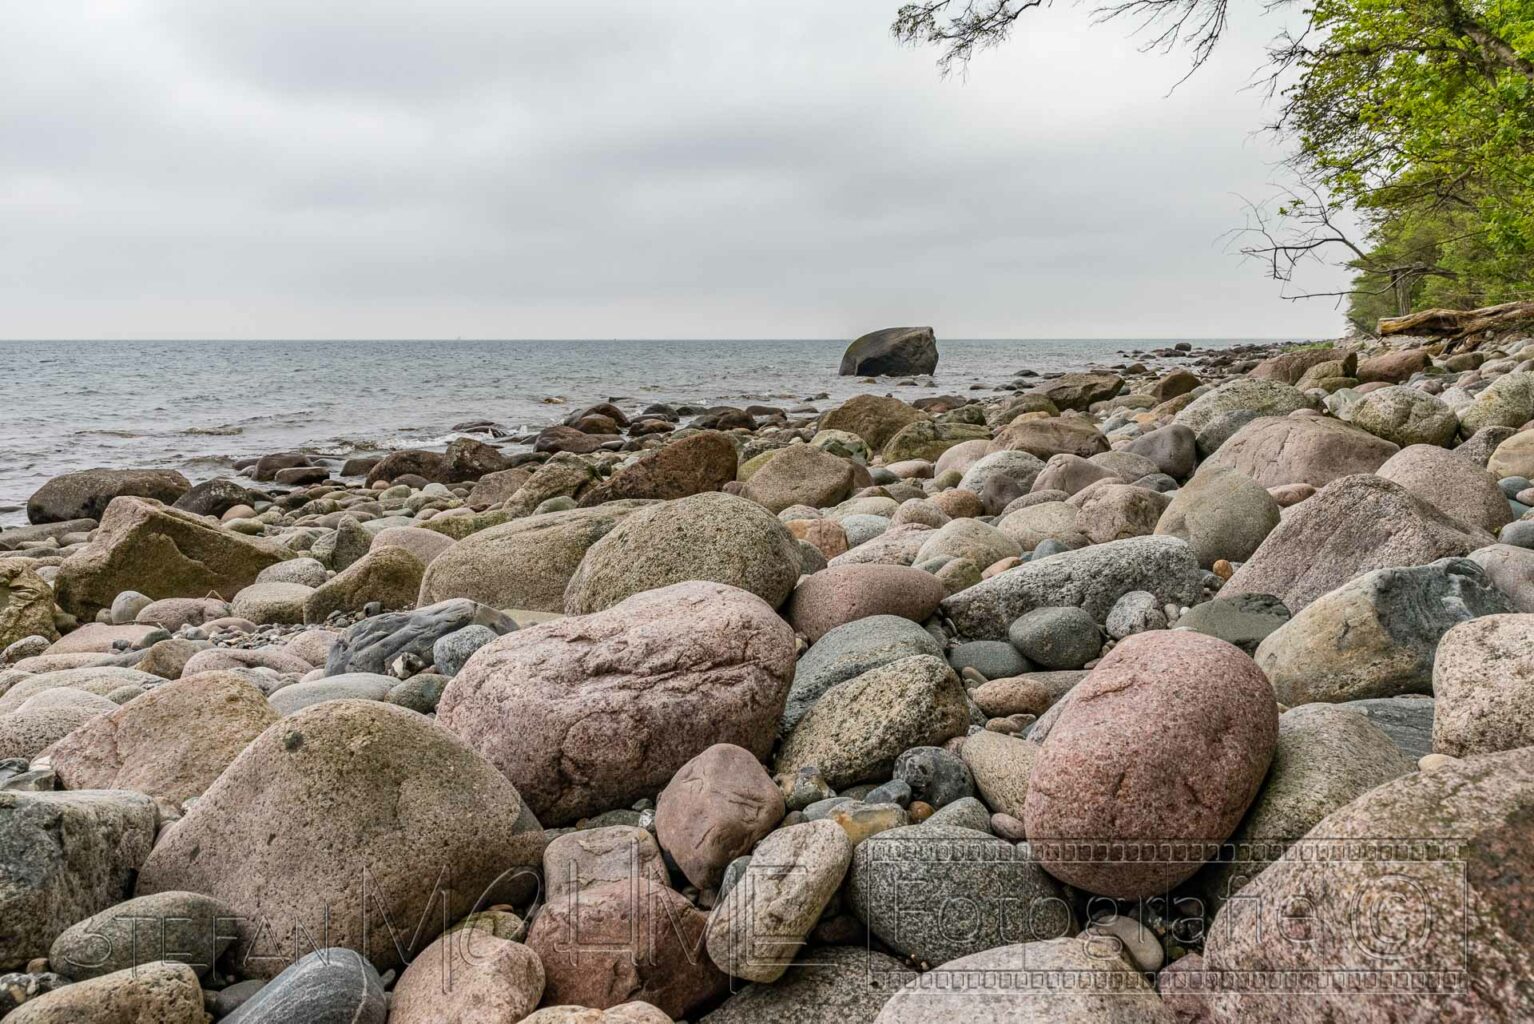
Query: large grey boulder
(86, 494)
(64, 857)
(1092, 578)
(1406, 416)
(1377, 635)
(1483, 687)
(891, 352)
(1350, 527)
(1243, 394)
(1221, 513)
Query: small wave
(107, 432)
(225, 431)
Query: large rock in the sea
(1377, 635)
(1450, 906)
(1221, 514)
(64, 857)
(1243, 394)
(800, 474)
(217, 496)
(1350, 527)
(154, 993)
(1454, 485)
(338, 814)
(1327, 756)
(26, 603)
(1052, 981)
(586, 714)
(86, 494)
(373, 644)
(1167, 741)
(713, 537)
(159, 552)
(891, 352)
(619, 943)
(1092, 578)
(701, 462)
(172, 743)
(1483, 687)
(524, 564)
(854, 732)
(874, 418)
(1406, 416)
(826, 985)
(912, 885)
(1314, 450)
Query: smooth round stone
(1128, 938)
(1046, 547)
(861, 528)
(965, 812)
(993, 659)
(127, 605)
(1135, 612)
(934, 775)
(450, 652)
(1007, 827)
(420, 693)
(1057, 638)
(1512, 486)
(328, 986)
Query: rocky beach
(1195, 685)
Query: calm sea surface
(198, 406)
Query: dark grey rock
(328, 986)
(1057, 638)
(215, 497)
(1241, 619)
(1172, 448)
(1135, 612)
(891, 352)
(373, 644)
(849, 651)
(1408, 721)
(994, 659)
(895, 791)
(1519, 533)
(86, 494)
(451, 651)
(419, 693)
(934, 775)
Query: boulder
(181, 926)
(756, 930)
(701, 462)
(1406, 416)
(874, 418)
(891, 352)
(1513, 457)
(1393, 367)
(271, 603)
(1511, 570)
(1454, 902)
(1507, 402)
(716, 808)
(1172, 448)
(1313, 450)
(1049, 520)
(1001, 477)
(857, 729)
(390, 577)
(614, 946)
(1166, 742)
(587, 858)
(826, 985)
(86, 494)
(1327, 756)
(1290, 366)
(1092, 578)
(526, 563)
(800, 474)
(979, 542)
(26, 603)
(424, 544)
(1457, 488)
(1377, 635)
(100, 680)
(1001, 766)
(930, 440)
(1080, 391)
(591, 713)
(64, 857)
(1108, 511)
(1243, 394)
(1483, 687)
(913, 885)
(160, 552)
(1349, 527)
(1222, 514)
(1408, 721)
(172, 743)
(347, 686)
(850, 650)
(154, 993)
(341, 799)
(215, 497)
(710, 537)
(47, 718)
(1053, 981)
(1058, 435)
(430, 466)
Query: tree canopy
(1415, 115)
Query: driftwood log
(1461, 325)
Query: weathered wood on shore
(1458, 325)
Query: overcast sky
(613, 168)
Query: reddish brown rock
(589, 858)
(1393, 367)
(1167, 740)
(835, 597)
(705, 461)
(715, 809)
(468, 976)
(172, 743)
(593, 712)
(957, 503)
(826, 535)
(611, 947)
